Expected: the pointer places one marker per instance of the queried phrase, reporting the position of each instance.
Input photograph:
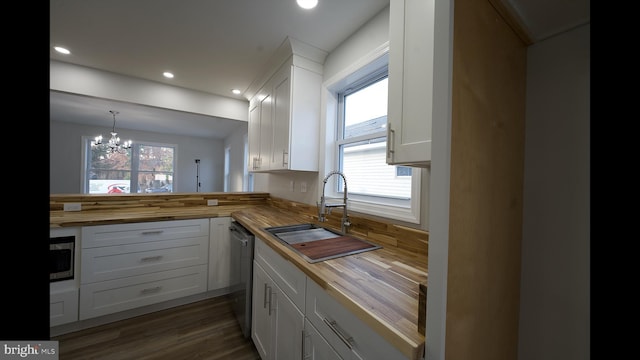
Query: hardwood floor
(203, 330)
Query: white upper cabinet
(260, 129)
(284, 115)
(415, 72)
(296, 120)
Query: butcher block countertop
(381, 287)
(105, 209)
(103, 217)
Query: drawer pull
(346, 339)
(305, 356)
(151, 258)
(152, 232)
(271, 294)
(264, 300)
(150, 290)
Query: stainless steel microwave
(61, 258)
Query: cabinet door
(266, 131)
(281, 119)
(411, 80)
(261, 308)
(63, 307)
(220, 274)
(287, 324)
(254, 136)
(315, 346)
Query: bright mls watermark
(29, 350)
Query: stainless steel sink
(294, 234)
(316, 243)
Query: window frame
(407, 211)
(86, 151)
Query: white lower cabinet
(294, 318)
(63, 306)
(315, 346)
(277, 322)
(277, 305)
(349, 336)
(63, 294)
(126, 266)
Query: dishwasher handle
(238, 235)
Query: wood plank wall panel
(487, 164)
(383, 233)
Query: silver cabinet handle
(152, 232)
(264, 300)
(285, 153)
(346, 339)
(150, 290)
(304, 340)
(151, 258)
(390, 142)
(271, 294)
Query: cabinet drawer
(63, 307)
(109, 235)
(291, 280)
(346, 333)
(113, 262)
(108, 297)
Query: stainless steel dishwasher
(241, 274)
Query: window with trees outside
(374, 187)
(145, 168)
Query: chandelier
(114, 145)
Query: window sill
(410, 215)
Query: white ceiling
(216, 45)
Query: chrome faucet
(324, 208)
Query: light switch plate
(212, 202)
(72, 206)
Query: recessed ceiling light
(168, 75)
(307, 4)
(236, 91)
(62, 50)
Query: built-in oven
(242, 242)
(61, 258)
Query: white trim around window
(364, 205)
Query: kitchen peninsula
(381, 287)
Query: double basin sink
(316, 243)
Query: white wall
(235, 142)
(66, 149)
(555, 278)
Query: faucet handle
(321, 210)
